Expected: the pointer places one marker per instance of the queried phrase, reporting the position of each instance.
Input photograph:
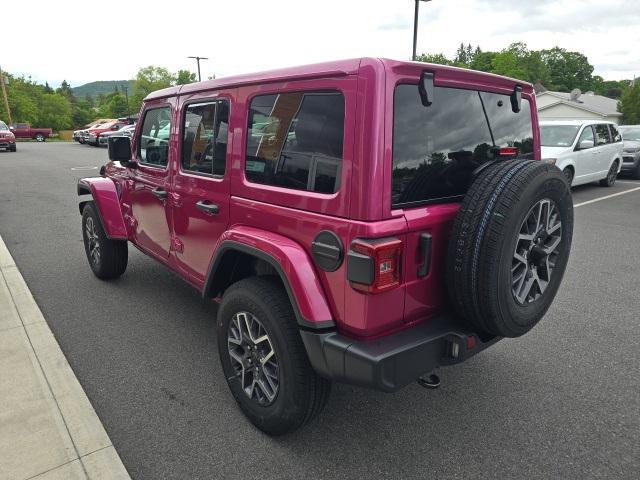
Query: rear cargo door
(436, 150)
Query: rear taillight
(374, 265)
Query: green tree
(567, 70)
(54, 112)
(184, 77)
(147, 80)
(629, 104)
(438, 58)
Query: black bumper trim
(392, 362)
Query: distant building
(576, 106)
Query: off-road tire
(114, 254)
(484, 238)
(302, 393)
(612, 174)
(13, 148)
(636, 172)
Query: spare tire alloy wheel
(536, 252)
(253, 358)
(509, 247)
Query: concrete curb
(48, 427)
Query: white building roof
(592, 103)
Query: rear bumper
(392, 362)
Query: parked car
(391, 217)
(631, 149)
(127, 131)
(7, 138)
(79, 134)
(585, 150)
(93, 134)
(24, 130)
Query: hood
(554, 152)
(632, 144)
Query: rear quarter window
(294, 140)
(437, 148)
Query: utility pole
(4, 95)
(198, 61)
(415, 27)
(126, 96)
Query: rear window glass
(294, 140)
(437, 148)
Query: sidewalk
(48, 428)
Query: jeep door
(148, 184)
(200, 187)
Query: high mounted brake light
(508, 151)
(374, 265)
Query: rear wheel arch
(234, 261)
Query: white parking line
(606, 197)
(629, 181)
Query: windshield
(3, 126)
(437, 148)
(627, 133)
(558, 135)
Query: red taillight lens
(384, 259)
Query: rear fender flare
(106, 199)
(291, 263)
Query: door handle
(208, 207)
(160, 193)
(425, 249)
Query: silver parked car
(631, 149)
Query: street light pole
(415, 27)
(198, 60)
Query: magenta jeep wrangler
(363, 221)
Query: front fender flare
(291, 262)
(105, 197)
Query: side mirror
(120, 150)
(585, 145)
(12, 128)
(425, 87)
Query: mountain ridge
(103, 87)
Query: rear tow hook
(429, 380)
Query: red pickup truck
(24, 130)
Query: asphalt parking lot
(560, 402)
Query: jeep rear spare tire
(509, 246)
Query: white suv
(585, 150)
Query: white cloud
(83, 41)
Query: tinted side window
(615, 133)
(204, 144)
(602, 134)
(587, 134)
(294, 140)
(153, 144)
(437, 148)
